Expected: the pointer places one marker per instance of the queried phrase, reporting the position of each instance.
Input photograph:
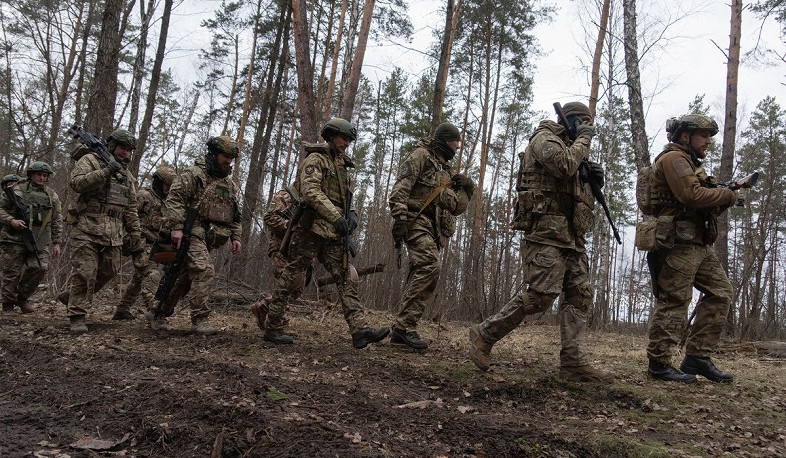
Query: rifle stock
(96, 146)
(293, 222)
(19, 212)
(348, 248)
(171, 272)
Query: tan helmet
(690, 123)
(164, 173)
(223, 144)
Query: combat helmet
(222, 144)
(339, 126)
(690, 123)
(123, 138)
(38, 166)
(165, 174)
(11, 177)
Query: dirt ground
(123, 390)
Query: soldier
(424, 204)
(326, 220)
(555, 210)
(687, 203)
(104, 214)
(23, 267)
(9, 180)
(207, 187)
(145, 278)
(277, 218)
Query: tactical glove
(400, 230)
(352, 221)
(341, 226)
(596, 174)
(584, 129)
(460, 180)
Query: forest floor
(123, 390)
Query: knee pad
(580, 296)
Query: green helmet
(123, 138)
(39, 166)
(164, 173)
(223, 144)
(339, 126)
(690, 123)
(11, 177)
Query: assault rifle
(96, 146)
(584, 172)
(19, 213)
(172, 271)
(743, 184)
(348, 248)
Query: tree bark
(604, 21)
(635, 100)
(348, 104)
(103, 93)
(305, 73)
(451, 20)
(334, 63)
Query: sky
(689, 61)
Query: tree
(635, 99)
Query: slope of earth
(123, 390)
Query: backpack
(644, 190)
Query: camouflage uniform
(106, 211)
(323, 178)
(423, 173)
(555, 212)
(687, 198)
(277, 217)
(146, 276)
(218, 222)
(21, 272)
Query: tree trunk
(348, 104)
(305, 73)
(729, 137)
(635, 101)
(604, 21)
(139, 63)
(103, 93)
(334, 63)
(451, 20)
(155, 77)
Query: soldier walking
(105, 212)
(326, 220)
(24, 265)
(424, 203)
(555, 211)
(687, 202)
(208, 188)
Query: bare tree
(305, 72)
(348, 104)
(451, 20)
(635, 99)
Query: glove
(461, 181)
(400, 230)
(584, 129)
(114, 165)
(341, 226)
(352, 221)
(596, 174)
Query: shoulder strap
(431, 198)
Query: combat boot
(63, 297)
(410, 339)
(479, 349)
(78, 324)
(259, 311)
(667, 373)
(361, 339)
(26, 307)
(122, 313)
(277, 337)
(585, 373)
(157, 323)
(8, 308)
(202, 327)
(698, 365)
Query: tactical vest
(111, 199)
(217, 203)
(150, 211)
(434, 176)
(38, 206)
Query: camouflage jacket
(149, 207)
(422, 173)
(214, 198)
(559, 204)
(696, 202)
(42, 208)
(323, 178)
(276, 219)
(106, 208)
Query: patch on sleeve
(549, 150)
(406, 169)
(682, 168)
(309, 170)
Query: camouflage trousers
(682, 268)
(195, 281)
(144, 281)
(303, 248)
(279, 265)
(548, 272)
(424, 267)
(21, 273)
(93, 266)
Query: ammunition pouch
(583, 217)
(646, 239)
(447, 224)
(216, 236)
(522, 211)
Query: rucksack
(644, 190)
